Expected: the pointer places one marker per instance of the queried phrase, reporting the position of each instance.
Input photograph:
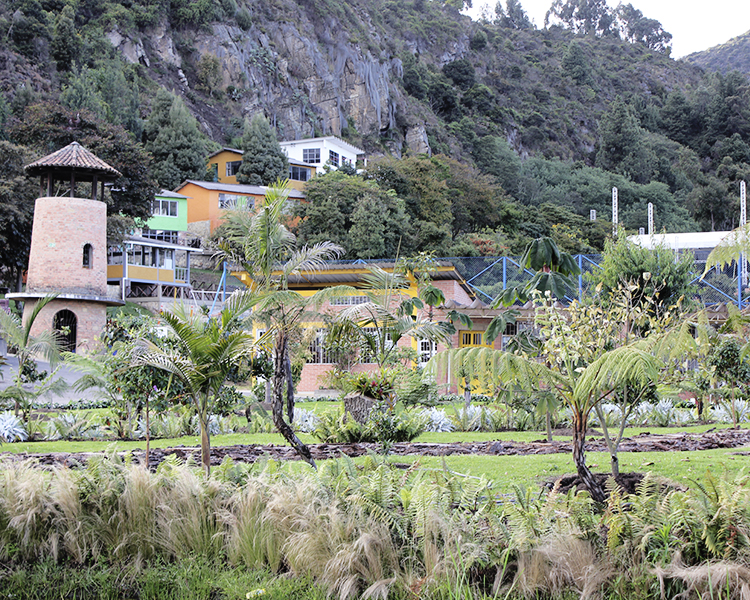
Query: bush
(244, 19)
(385, 426)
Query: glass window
(349, 300)
(88, 256)
(298, 173)
(427, 349)
(235, 201)
(311, 155)
(158, 234)
(233, 167)
(164, 208)
(333, 158)
(472, 338)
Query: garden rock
(359, 407)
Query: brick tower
(69, 248)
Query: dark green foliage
(495, 157)
(461, 72)
(413, 77)
(17, 197)
(29, 27)
(365, 220)
(622, 146)
(65, 45)
(48, 127)
(576, 64)
(172, 136)
(478, 41)
(658, 273)
(263, 160)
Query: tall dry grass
(374, 531)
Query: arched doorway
(65, 325)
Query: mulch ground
(645, 442)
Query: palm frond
(729, 249)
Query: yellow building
(225, 163)
(445, 277)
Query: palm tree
(388, 316)
(205, 352)
(46, 344)
(267, 251)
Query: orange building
(207, 201)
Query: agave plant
(11, 428)
(437, 420)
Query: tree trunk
(467, 395)
(548, 419)
(289, 388)
(148, 434)
(579, 458)
(205, 444)
(280, 382)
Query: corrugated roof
(168, 194)
(73, 157)
(237, 188)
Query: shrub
(385, 426)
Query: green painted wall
(178, 223)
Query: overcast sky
(694, 24)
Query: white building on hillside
(321, 151)
(699, 243)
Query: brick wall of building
(91, 317)
(62, 227)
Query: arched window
(88, 256)
(65, 325)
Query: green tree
(356, 214)
(203, 354)
(17, 197)
(269, 254)
(576, 64)
(173, 138)
(495, 157)
(659, 276)
(65, 45)
(47, 127)
(622, 146)
(263, 160)
(638, 29)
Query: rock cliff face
(309, 84)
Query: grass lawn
(507, 471)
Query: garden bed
(644, 442)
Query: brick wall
(91, 317)
(62, 227)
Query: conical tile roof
(73, 157)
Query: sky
(695, 25)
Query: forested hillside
(527, 129)
(734, 55)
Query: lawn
(505, 471)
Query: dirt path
(672, 442)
